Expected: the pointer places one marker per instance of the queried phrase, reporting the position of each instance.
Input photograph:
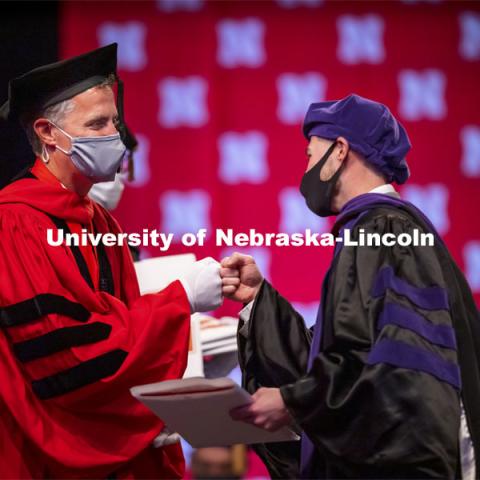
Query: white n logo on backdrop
(183, 102)
(299, 3)
(243, 157)
(360, 39)
(432, 200)
(180, 5)
(308, 311)
(185, 212)
(471, 256)
(240, 43)
(470, 138)
(130, 37)
(422, 94)
(470, 37)
(296, 92)
(295, 217)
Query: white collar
(386, 189)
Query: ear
(343, 147)
(43, 129)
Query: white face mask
(108, 194)
(98, 158)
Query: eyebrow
(99, 119)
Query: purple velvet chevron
(394, 314)
(402, 355)
(430, 298)
(368, 201)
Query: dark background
(28, 39)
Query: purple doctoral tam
(370, 129)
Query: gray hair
(56, 114)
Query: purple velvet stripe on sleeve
(441, 335)
(402, 355)
(430, 298)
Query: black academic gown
(399, 349)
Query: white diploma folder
(198, 409)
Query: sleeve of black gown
(382, 399)
(275, 349)
(273, 352)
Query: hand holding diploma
(267, 410)
(198, 409)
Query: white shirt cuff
(244, 316)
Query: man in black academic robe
(388, 385)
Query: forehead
(317, 141)
(95, 100)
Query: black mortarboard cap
(50, 84)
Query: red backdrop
(216, 92)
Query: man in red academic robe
(75, 332)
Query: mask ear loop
(324, 160)
(67, 135)
(45, 155)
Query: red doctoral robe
(75, 336)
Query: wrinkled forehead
(95, 97)
(96, 103)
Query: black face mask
(317, 193)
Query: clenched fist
(241, 278)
